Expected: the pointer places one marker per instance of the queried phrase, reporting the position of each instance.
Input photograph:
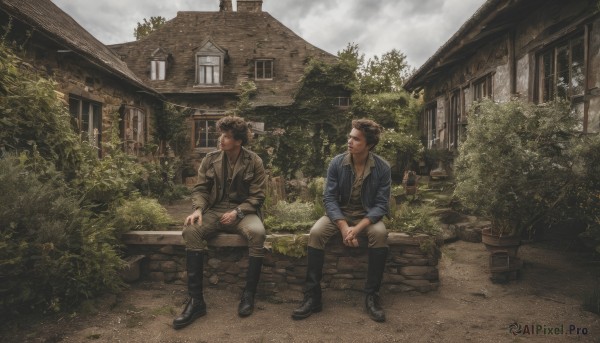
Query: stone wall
(408, 267)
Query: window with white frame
(158, 69)
(263, 69)
(209, 64)
(561, 70)
(87, 117)
(209, 70)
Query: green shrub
(413, 219)
(158, 180)
(291, 217)
(141, 214)
(294, 246)
(401, 150)
(31, 116)
(585, 198)
(102, 182)
(315, 190)
(53, 252)
(516, 164)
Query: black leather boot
(195, 307)
(246, 306)
(312, 294)
(377, 258)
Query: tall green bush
(53, 252)
(516, 164)
(58, 245)
(31, 115)
(585, 197)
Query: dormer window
(209, 70)
(157, 70)
(263, 69)
(209, 64)
(158, 64)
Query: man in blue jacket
(356, 198)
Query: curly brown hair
(370, 129)
(237, 126)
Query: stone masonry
(411, 264)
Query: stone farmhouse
(197, 60)
(201, 60)
(91, 79)
(535, 50)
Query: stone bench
(411, 264)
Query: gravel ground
(466, 308)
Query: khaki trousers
(324, 229)
(250, 226)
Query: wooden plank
(235, 240)
(175, 238)
(153, 237)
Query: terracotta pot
(504, 263)
(494, 243)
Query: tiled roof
(48, 19)
(244, 36)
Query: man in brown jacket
(227, 198)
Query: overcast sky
(417, 28)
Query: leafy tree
(384, 75)
(144, 29)
(378, 95)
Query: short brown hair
(370, 129)
(237, 126)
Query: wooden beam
(235, 240)
(175, 238)
(153, 237)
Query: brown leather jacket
(247, 186)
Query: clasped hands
(349, 237)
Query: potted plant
(515, 167)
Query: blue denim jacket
(375, 191)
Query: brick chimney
(254, 6)
(225, 6)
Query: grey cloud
(415, 27)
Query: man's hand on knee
(195, 217)
(228, 218)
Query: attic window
(209, 64)
(263, 70)
(209, 70)
(157, 69)
(158, 64)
